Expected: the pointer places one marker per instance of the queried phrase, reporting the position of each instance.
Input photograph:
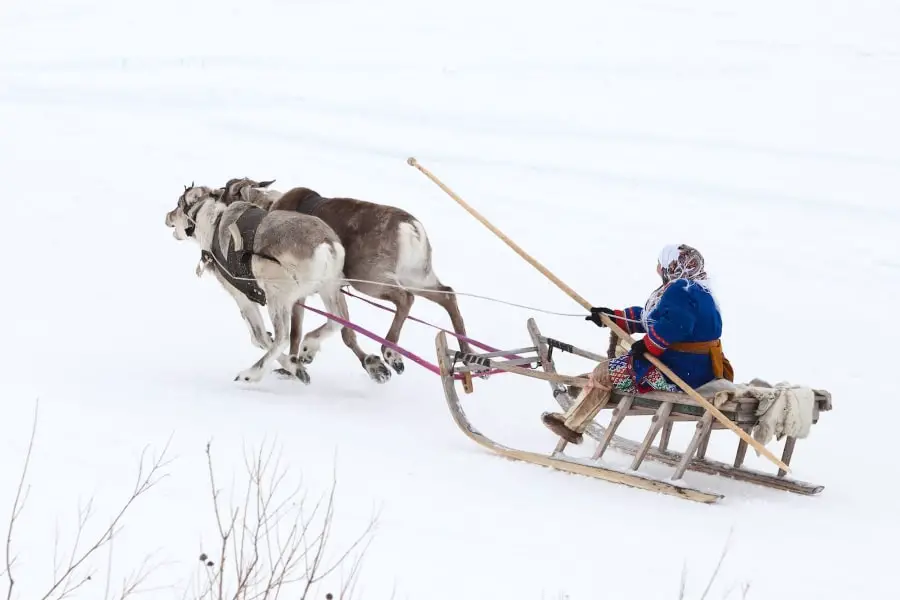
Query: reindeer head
(183, 218)
(248, 190)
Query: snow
(591, 133)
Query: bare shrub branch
(269, 544)
(683, 587)
(143, 484)
(745, 588)
(715, 572)
(271, 540)
(71, 579)
(18, 505)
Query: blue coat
(686, 312)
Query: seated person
(682, 324)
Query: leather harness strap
(237, 266)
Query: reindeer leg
(261, 338)
(377, 370)
(280, 313)
(403, 300)
(312, 341)
(297, 326)
(372, 363)
(294, 368)
(444, 296)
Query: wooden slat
(741, 452)
(666, 434)
(704, 443)
(656, 423)
(619, 414)
(702, 428)
(787, 454)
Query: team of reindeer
(302, 244)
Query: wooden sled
(665, 409)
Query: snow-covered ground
(592, 133)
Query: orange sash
(721, 365)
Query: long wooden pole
(621, 333)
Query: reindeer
(275, 259)
(388, 254)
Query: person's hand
(596, 311)
(638, 349)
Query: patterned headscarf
(681, 262)
(677, 261)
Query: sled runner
(739, 403)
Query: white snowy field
(592, 133)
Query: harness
(310, 203)
(192, 217)
(236, 262)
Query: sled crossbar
(665, 409)
(486, 360)
(556, 344)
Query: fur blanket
(783, 410)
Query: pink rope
(413, 357)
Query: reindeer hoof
(376, 369)
(298, 373)
(303, 358)
(394, 359)
(251, 375)
(308, 351)
(302, 375)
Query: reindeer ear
(265, 184)
(218, 193)
(257, 196)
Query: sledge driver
(682, 327)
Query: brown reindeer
(384, 245)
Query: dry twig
(18, 505)
(70, 580)
(268, 552)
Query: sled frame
(665, 409)
(471, 362)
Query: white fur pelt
(783, 410)
(788, 412)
